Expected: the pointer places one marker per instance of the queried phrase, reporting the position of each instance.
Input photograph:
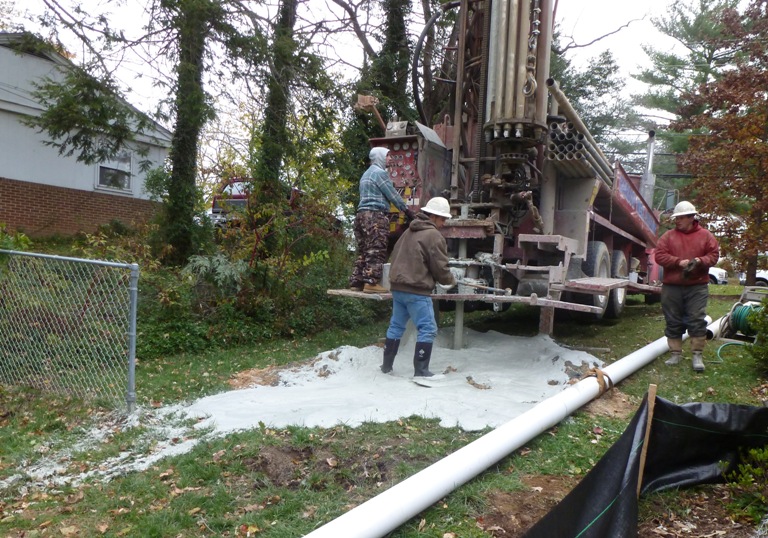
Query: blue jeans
(417, 308)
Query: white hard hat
(438, 206)
(684, 208)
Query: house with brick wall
(43, 193)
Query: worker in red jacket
(686, 253)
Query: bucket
(385, 276)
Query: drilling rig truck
(541, 215)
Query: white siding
(23, 153)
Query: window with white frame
(116, 173)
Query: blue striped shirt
(377, 191)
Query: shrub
(749, 486)
(16, 241)
(758, 324)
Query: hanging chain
(530, 79)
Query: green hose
(738, 321)
(739, 318)
(719, 356)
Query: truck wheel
(598, 264)
(618, 297)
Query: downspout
(649, 180)
(390, 509)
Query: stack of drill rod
(574, 155)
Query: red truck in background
(230, 199)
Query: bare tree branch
(574, 45)
(351, 9)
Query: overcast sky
(587, 20)
(584, 20)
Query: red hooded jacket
(674, 245)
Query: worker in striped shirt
(372, 223)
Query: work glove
(688, 269)
(457, 272)
(410, 214)
(454, 273)
(445, 287)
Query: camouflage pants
(372, 236)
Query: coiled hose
(737, 321)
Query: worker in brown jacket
(686, 253)
(419, 260)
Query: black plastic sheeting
(688, 445)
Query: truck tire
(618, 297)
(597, 264)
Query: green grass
(286, 482)
(192, 375)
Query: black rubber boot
(421, 356)
(390, 350)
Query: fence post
(130, 396)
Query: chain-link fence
(68, 325)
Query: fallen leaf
(248, 530)
(72, 499)
(166, 474)
(69, 531)
(194, 511)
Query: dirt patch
(318, 467)
(266, 377)
(270, 376)
(613, 404)
(512, 513)
(279, 465)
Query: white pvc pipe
(387, 511)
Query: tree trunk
(191, 114)
(274, 136)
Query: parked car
(761, 278)
(231, 201)
(232, 196)
(718, 276)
